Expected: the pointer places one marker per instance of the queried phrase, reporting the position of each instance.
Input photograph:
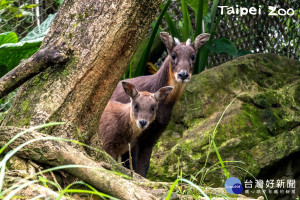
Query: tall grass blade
(199, 18)
(66, 190)
(185, 21)
(172, 26)
(28, 130)
(12, 152)
(191, 31)
(143, 61)
(213, 12)
(202, 57)
(220, 159)
(197, 68)
(195, 186)
(45, 181)
(38, 197)
(215, 131)
(2, 174)
(90, 192)
(172, 189)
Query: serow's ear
(167, 40)
(162, 93)
(200, 40)
(129, 89)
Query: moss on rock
(260, 128)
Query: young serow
(121, 124)
(176, 71)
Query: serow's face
(182, 62)
(144, 105)
(144, 108)
(183, 55)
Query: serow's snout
(183, 75)
(142, 123)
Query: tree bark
(96, 41)
(54, 54)
(103, 36)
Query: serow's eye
(193, 57)
(152, 109)
(136, 107)
(173, 56)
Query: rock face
(260, 128)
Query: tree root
(58, 153)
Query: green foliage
(186, 26)
(11, 8)
(225, 46)
(12, 54)
(8, 37)
(128, 72)
(222, 46)
(195, 6)
(202, 14)
(143, 61)
(183, 30)
(12, 51)
(172, 26)
(39, 32)
(58, 2)
(11, 12)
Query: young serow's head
(144, 104)
(182, 55)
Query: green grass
(10, 193)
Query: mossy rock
(260, 127)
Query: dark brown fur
(115, 140)
(120, 123)
(166, 75)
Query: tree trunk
(102, 36)
(71, 78)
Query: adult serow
(175, 71)
(121, 123)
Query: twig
(130, 161)
(37, 167)
(54, 179)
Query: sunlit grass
(10, 192)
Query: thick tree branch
(58, 153)
(38, 62)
